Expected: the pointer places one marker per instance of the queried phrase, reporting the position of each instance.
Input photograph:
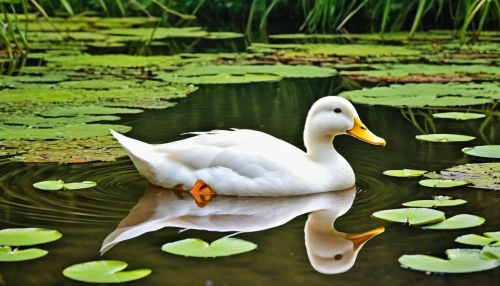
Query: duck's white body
(252, 163)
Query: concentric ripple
(119, 187)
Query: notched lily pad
(442, 183)
(27, 236)
(457, 222)
(459, 115)
(9, 255)
(490, 252)
(404, 173)
(489, 238)
(412, 216)
(445, 138)
(459, 261)
(104, 271)
(437, 202)
(194, 247)
(49, 185)
(487, 151)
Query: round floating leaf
(490, 253)
(489, 238)
(459, 261)
(459, 115)
(442, 183)
(404, 173)
(457, 222)
(49, 185)
(81, 185)
(195, 247)
(7, 255)
(104, 271)
(27, 236)
(412, 216)
(445, 138)
(488, 151)
(434, 203)
(220, 78)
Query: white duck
(329, 251)
(253, 163)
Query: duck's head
(330, 251)
(334, 115)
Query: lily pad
(49, 185)
(459, 261)
(79, 186)
(27, 236)
(104, 271)
(442, 183)
(426, 94)
(219, 79)
(404, 173)
(193, 247)
(457, 222)
(490, 253)
(77, 131)
(489, 238)
(8, 255)
(412, 216)
(84, 110)
(484, 176)
(487, 151)
(459, 115)
(42, 122)
(445, 138)
(434, 203)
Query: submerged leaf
(49, 185)
(27, 236)
(459, 261)
(457, 222)
(104, 271)
(412, 216)
(193, 247)
(488, 151)
(442, 183)
(459, 115)
(404, 173)
(7, 255)
(445, 138)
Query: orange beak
(358, 239)
(362, 133)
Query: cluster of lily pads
(108, 271)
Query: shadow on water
(86, 217)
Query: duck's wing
(223, 138)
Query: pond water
(86, 217)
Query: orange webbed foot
(202, 193)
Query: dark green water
(86, 217)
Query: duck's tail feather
(141, 154)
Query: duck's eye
(337, 257)
(337, 110)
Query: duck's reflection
(329, 251)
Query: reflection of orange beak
(358, 239)
(362, 133)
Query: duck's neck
(319, 147)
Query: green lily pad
(484, 176)
(100, 84)
(459, 261)
(412, 216)
(77, 131)
(219, 79)
(42, 122)
(27, 236)
(487, 151)
(435, 203)
(459, 115)
(79, 186)
(84, 110)
(104, 271)
(490, 253)
(442, 183)
(193, 247)
(159, 33)
(489, 238)
(445, 138)
(404, 173)
(426, 94)
(113, 61)
(49, 185)
(7, 255)
(457, 222)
